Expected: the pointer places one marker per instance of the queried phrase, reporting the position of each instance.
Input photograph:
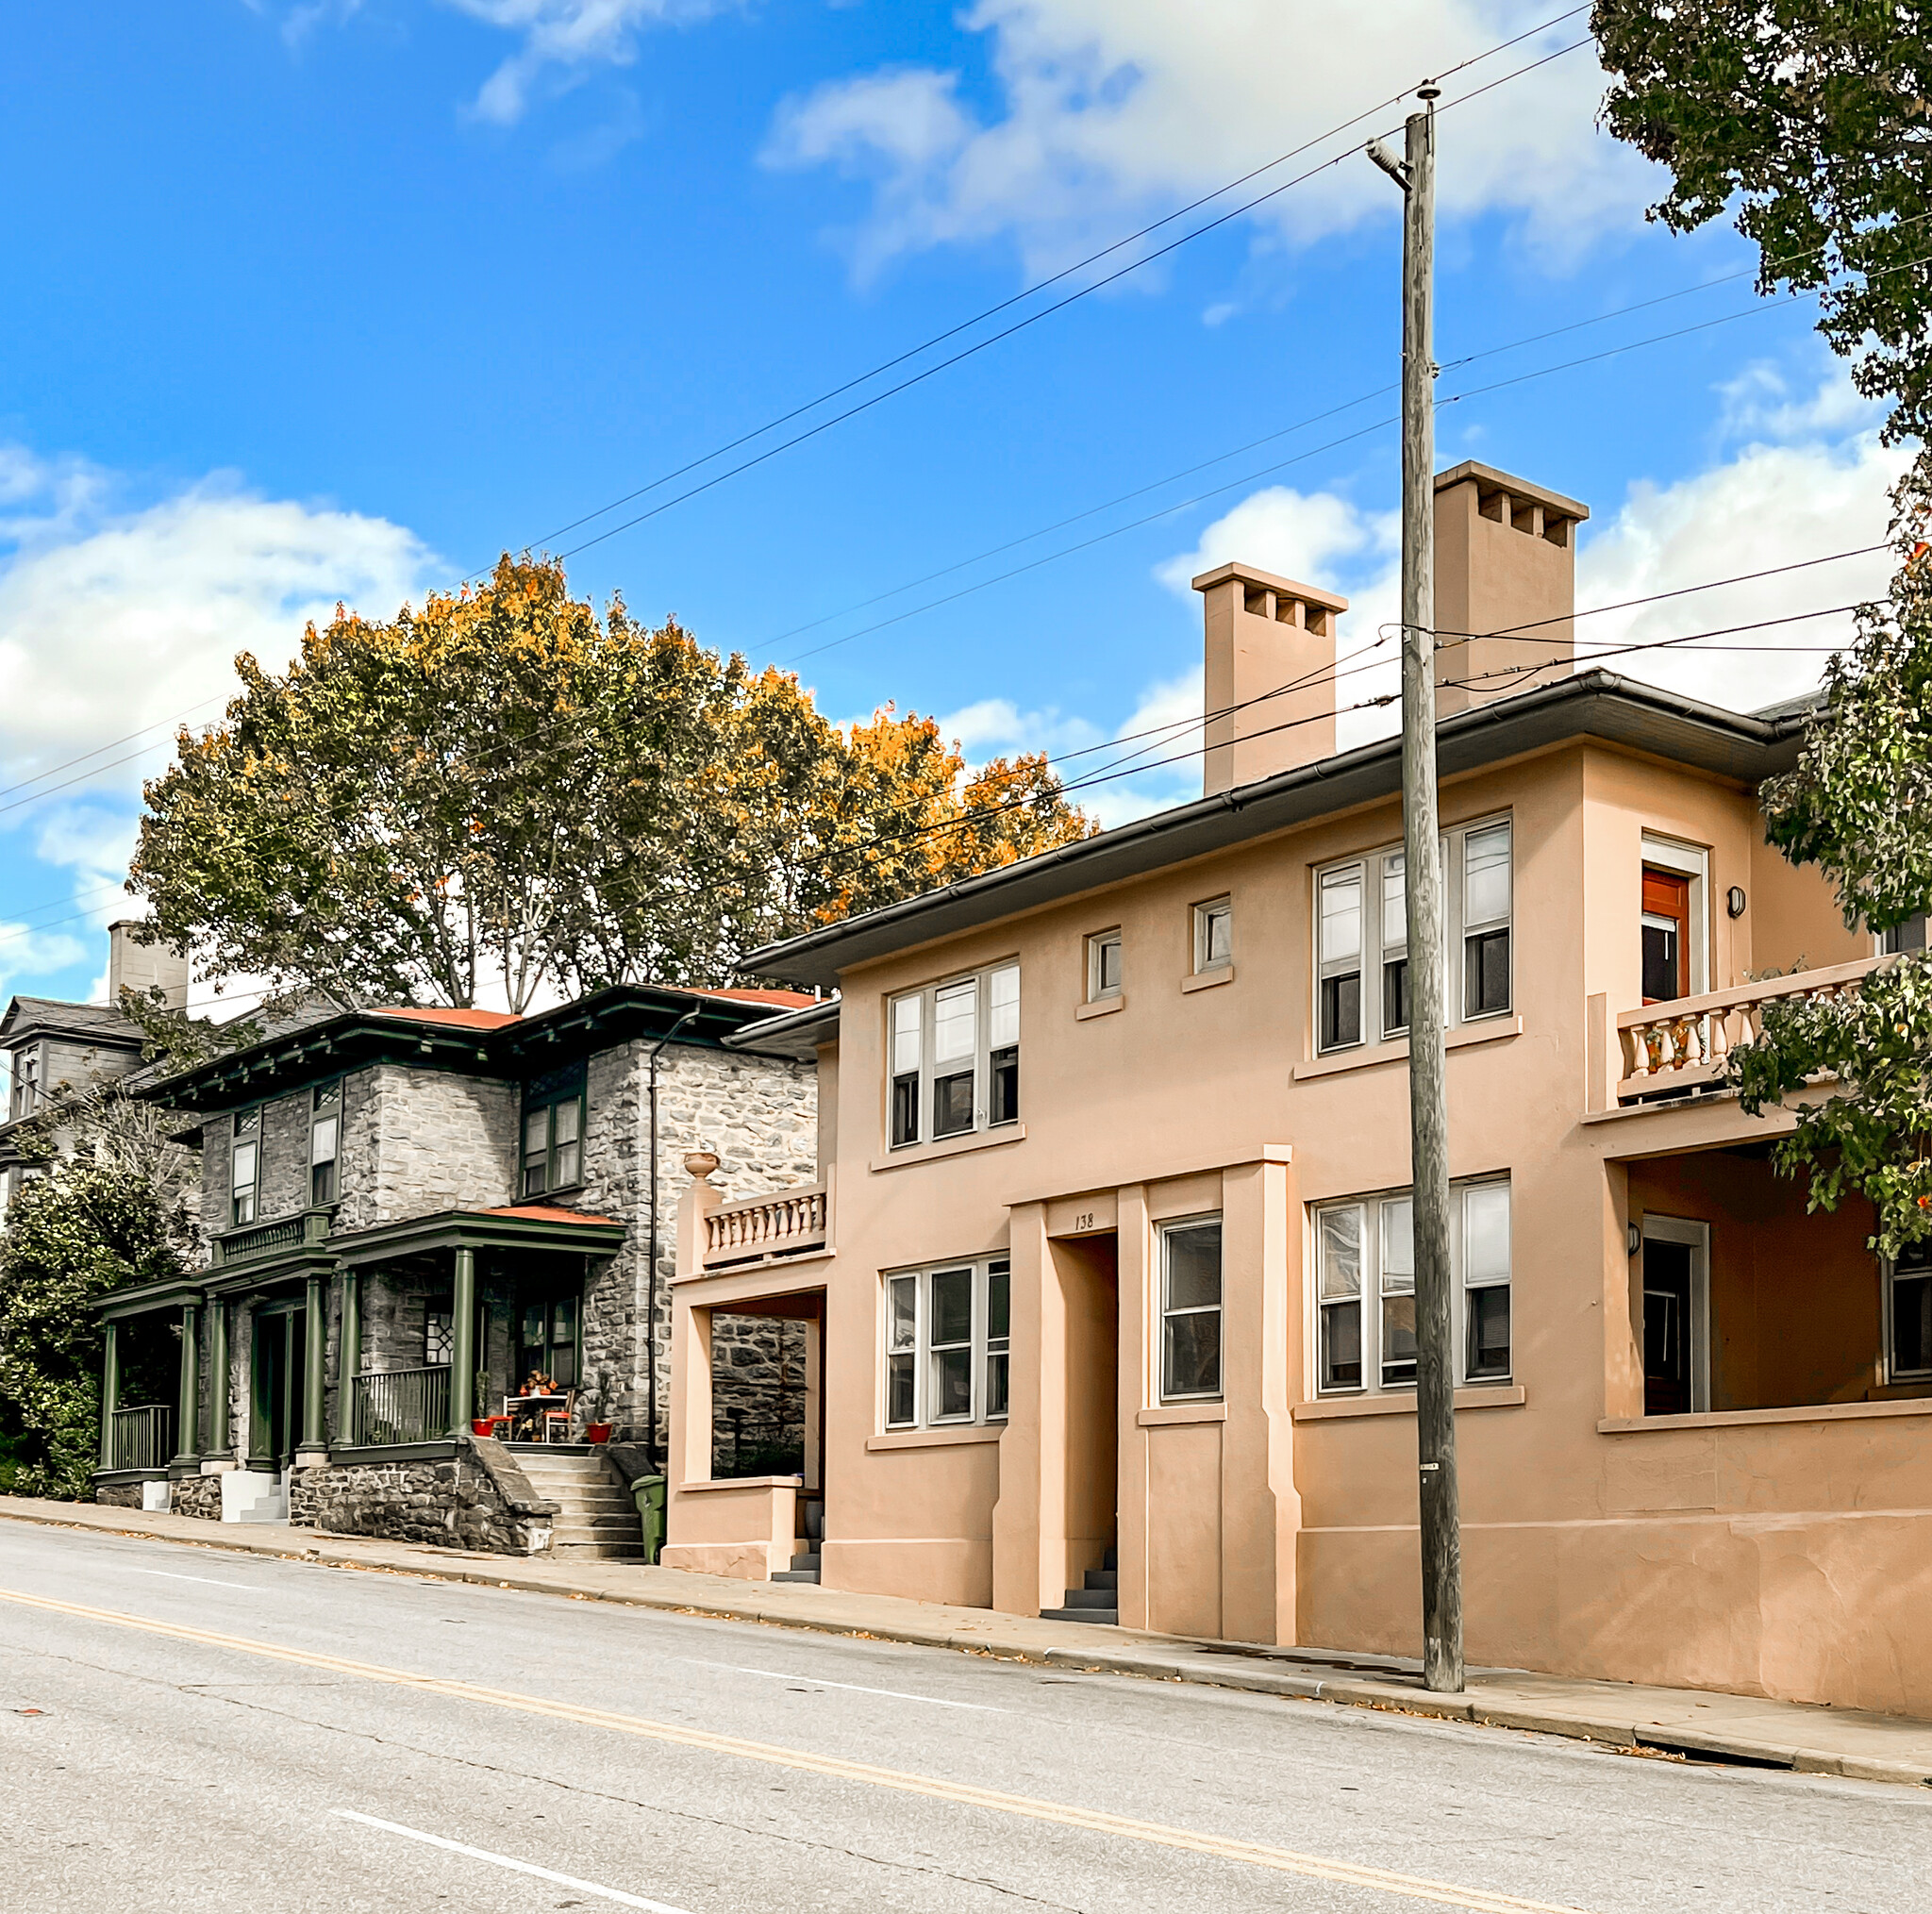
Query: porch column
(111, 1389)
(314, 1444)
(187, 1412)
(349, 1357)
(462, 1363)
(220, 1441)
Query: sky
(321, 301)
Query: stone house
(406, 1213)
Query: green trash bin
(649, 1491)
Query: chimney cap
(1267, 581)
(1488, 480)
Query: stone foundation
(119, 1496)
(199, 1495)
(473, 1500)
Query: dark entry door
(274, 1423)
(1669, 1273)
(547, 1334)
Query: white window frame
(1206, 915)
(1380, 1282)
(1894, 1373)
(1099, 943)
(1382, 940)
(987, 1355)
(1168, 1228)
(237, 1143)
(1692, 861)
(1696, 1234)
(911, 1025)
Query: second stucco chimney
(1265, 633)
(1506, 585)
(144, 966)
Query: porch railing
(140, 1437)
(264, 1238)
(400, 1405)
(1686, 1043)
(787, 1223)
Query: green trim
(142, 1299)
(476, 1229)
(398, 1451)
(120, 1478)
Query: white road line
(852, 1688)
(207, 1581)
(516, 1866)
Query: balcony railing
(267, 1239)
(787, 1223)
(140, 1437)
(1684, 1043)
(394, 1406)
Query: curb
(1619, 1732)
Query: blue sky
(309, 302)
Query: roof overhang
(143, 1299)
(478, 1229)
(1594, 705)
(796, 1035)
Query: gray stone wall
(217, 1163)
(761, 1116)
(198, 1495)
(119, 1496)
(452, 1501)
(418, 1142)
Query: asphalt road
(269, 1738)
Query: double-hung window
(1104, 966)
(1190, 1310)
(325, 1140)
(1213, 936)
(553, 1131)
(1361, 937)
(244, 1165)
(1365, 1331)
(947, 1338)
(1909, 1314)
(955, 1056)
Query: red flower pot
(597, 1432)
(483, 1426)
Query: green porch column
(463, 1365)
(188, 1414)
(315, 1441)
(111, 1389)
(349, 1357)
(220, 1439)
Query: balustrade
(787, 1223)
(141, 1437)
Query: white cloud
(562, 39)
(1296, 535)
(28, 952)
(1110, 107)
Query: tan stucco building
(1106, 1275)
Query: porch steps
(1097, 1601)
(812, 1521)
(597, 1516)
(805, 1567)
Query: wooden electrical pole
(1428, 969)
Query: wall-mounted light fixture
(1634, 1239)
(1734, 900)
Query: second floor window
(1365, 1333)
(26, 1082)
(325, 1140)
(955, 1056)
(1104, 971)
(1361, 938)
(947, 1337)
(1213, 936)
(244, 1166)
(553, 1131)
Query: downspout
(651, 1301)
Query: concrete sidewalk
(1687, 1721)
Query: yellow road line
(1218, 1847)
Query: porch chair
(562, 1416)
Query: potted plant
(597, 1406)
(481, 1421)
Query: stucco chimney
(141, 967)
(1264, 632)
(1506, 563)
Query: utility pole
(1428, 1104)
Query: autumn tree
(506, 790)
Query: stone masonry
(198, 1495)
(477, 1499)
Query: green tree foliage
(73, 1233)
(1813, 119)
(507, 787)
(1857, 1067)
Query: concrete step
(806, 1559)
(597, 1532)
(1111, 1617)
(598, 1550)
(1093, 1598)
(1103, 1578)
(796, 1576)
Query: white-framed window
(439, 1339)
(1103, 965)
(1365, 1337)
(325, 1140)
(26, 1080)
(1213, 935)
(1674, 933)
(1361, 937)
(947, 1337)
(1908, 1315)
(244, 1165)
(1190, 1316)
(955, 1056)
